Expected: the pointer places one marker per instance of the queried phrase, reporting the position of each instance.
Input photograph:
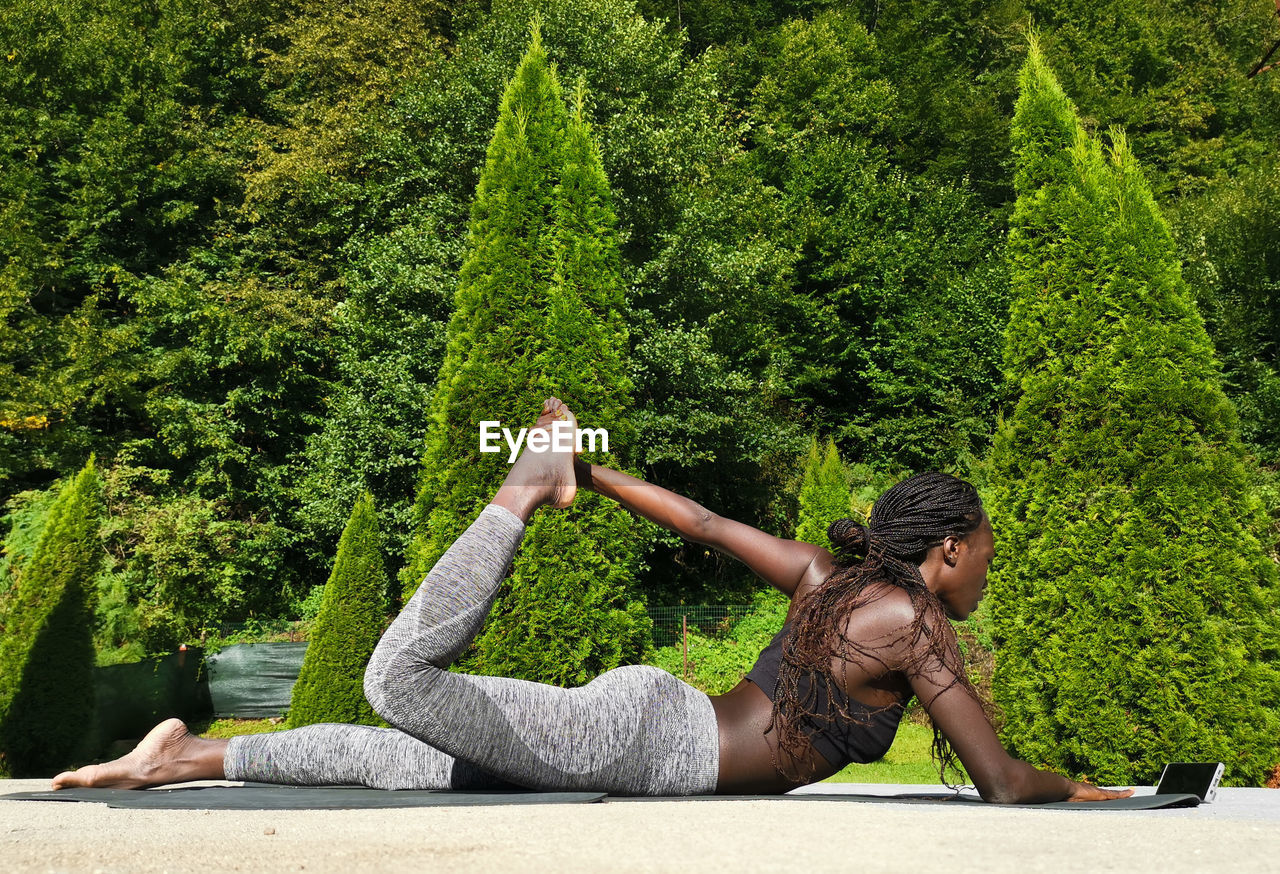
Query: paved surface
(1240, 831)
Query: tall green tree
(825, 495)
(330, 686)
(538, 312)
(1134, 610)
(46, 637)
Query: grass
(224, 728)
(908, 761)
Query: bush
(46, 638)
(330, 686)
(824, 494)
(1134, 610)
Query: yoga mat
(297, 798)
(1133, 802)
(346, 798)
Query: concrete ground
(1238, 832)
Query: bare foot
(168, 754)
(544, 475)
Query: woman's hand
(1089, 792)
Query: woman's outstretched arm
(998, 776)
(780, 563)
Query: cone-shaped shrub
(538, 313)
(825, 495)
(1133, 609)
(46, 642)
(330, 686)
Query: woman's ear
(951, 550)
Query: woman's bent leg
(330, 754)
(634, 730)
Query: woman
(866, 631)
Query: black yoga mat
(345, 798)
(1133, 802)
(297, 797)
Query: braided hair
(905, 523)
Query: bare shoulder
(887, 611)
(890, 623)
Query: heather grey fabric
(634, 730)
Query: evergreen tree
(46, 638)
(825, 495)
(330, 686)
(537, 313)
(1133, 609)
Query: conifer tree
(537, 313)
(330, 686)
(46, 638)
(825, 495)
(1133, 609)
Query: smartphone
(1191, 778)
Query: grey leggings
(634, 730)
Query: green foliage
(24, 524)
(905, 291)
(330, 686)
(176, 564)
(825, 495)
(538, 312)
(1173, 76)
(1229, 238)
(46, 638)
(231, 236)
(1135, 613)
(717, 664)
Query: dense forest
(238, 240)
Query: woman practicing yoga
(867, 630)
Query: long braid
(905, 523)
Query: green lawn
(224, 728)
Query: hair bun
(849, 538)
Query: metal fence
(709, 619)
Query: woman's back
(876, 696)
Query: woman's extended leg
(326, 754)
(632, 730)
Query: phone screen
(1188, 778)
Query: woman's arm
(780, 563)
(998, 776)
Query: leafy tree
(46, 637)
(1231, 239)
(1173, 76)
(1135, 611)
(709, 386)
(114, 167)
(330, 686)
(25, 522)
(903, 282)
(538, 312)
(825, 495)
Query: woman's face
(961, 578)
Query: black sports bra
(840, 742)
